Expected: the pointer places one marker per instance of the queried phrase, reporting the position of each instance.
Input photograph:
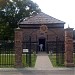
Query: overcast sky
(61, 9)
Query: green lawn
(74, 57)
(8, 60)
(33, 60)
(53, 61)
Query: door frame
(43, 41)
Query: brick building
(42, 28)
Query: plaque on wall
(43, 28)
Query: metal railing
(7, 53)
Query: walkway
(43, 62)
(38, 72)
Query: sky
(63, 10)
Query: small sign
(25, 50)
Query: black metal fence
(74, 47)
(60, 50)
(27, 56)
(74, 52)
(7, 53)
(57, 48)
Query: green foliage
(3, 3)
(12, 12)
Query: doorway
(42, 41)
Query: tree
(13, 11)
(3, 3)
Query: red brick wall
(51, 34)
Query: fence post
(47, 45)
(29, 51)
(69, 47)
(18, 47)
(57, 59)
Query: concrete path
(38, 72)
(43, 62)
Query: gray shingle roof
(41, 18)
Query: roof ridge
(41, 17)
(51, 16)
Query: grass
(74, 58)
(33, 60)
(53, 61)
(8, 60)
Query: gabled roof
(41, 18)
